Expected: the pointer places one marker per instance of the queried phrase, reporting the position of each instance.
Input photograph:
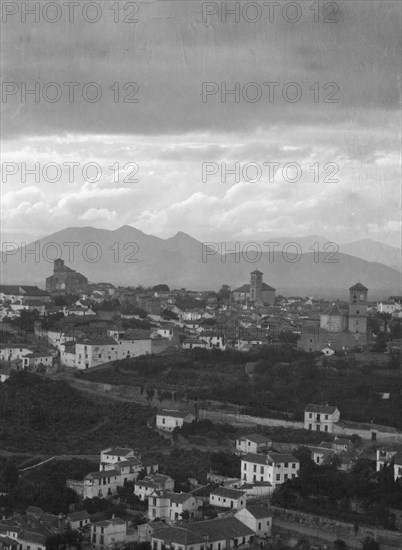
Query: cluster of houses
(172, 516)
(250, 316)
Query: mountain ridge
(129, 257)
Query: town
(225, 455)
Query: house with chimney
(321, 417)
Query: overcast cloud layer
(170, 132)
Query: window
(286, 465)
(278, 477)
(326, 417)
(254, 468)
(262, 478)
(285, 476)
(310, 426)
(293, 464)
(325, 428)
(259, 525)
(245, 466)
(262, 470)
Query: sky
(315, 153)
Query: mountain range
(306, 268)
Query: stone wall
(339, 529)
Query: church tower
(358, 309)
(256, 286)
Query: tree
(168, 315)
(370, 544)
(8, 475)
(339, 544)
(224, 293)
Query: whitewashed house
(321, 417)
(253, 443)
(274, 468)
(228, 498)
(168, 420)
(154, 482)
(258, 518)
(108, 534)
(170, 506)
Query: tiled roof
(178, 498)
(78, 516)
(213, 530)
(104, 341)
(358, 286)
(267, 287)
(282, 457)
(256, 438)
(29, 536)
(173, 413)
(244, 289)
(258, 511)
(255, 459)
(107, 522)
(103, 474)
(137, 334)
(117, 451)
(333, 310)
(326, 409)
(227, 493)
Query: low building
(108, 534)
(258, 518)
(253, 443)
(216, 534)
(78, 520)
(321, 417)
(228, 498)
(168, 420)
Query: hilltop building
(65, 280)
(255, 291)
(338, 328)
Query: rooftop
(173, 413)
(258, 511)
(326, 409)
(227, 493)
